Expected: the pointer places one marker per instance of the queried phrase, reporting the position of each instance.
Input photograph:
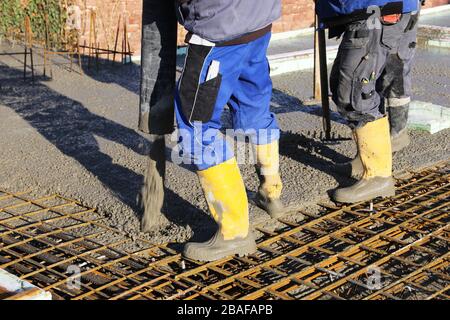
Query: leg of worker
(199, 105)
(250, 105)
(362, 59)
(395, 83)
(352, 54)
(354, 167)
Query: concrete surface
(76, 135)
(297, 43)
(437, 19)
(297, 61)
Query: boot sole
(243, 251)
(388, 192)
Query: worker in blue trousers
(371, 85)
(226, 63)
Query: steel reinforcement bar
(398, 248)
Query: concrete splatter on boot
(268, 197)
(398, 119)
(227, 201)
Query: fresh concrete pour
(77, 136)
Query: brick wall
(297, 14)
(108, 13)
(433, 3)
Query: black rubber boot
(217, 248)
(398, 121)
(366, 189)
(353, 169)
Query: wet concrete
(441, 19)
(432, 76)
(77, 135)
(298, 43)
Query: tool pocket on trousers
(356, 36)
(364, 86)
(391, 34)
(191, 92)
(203, 107)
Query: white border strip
(298, 54)
(297, 61)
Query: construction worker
(371, 85)
(226, 63)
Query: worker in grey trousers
(373, 72)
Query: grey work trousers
(373, 64)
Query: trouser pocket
(365, 98)
(352, 51)
(392, 34)
(356, 36)
(197, 99)
(203, 107)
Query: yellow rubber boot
(398, 119)
(271, 186)
(374, 149)
(227, 201)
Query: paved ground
(76, 135)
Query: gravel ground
(76, 135)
